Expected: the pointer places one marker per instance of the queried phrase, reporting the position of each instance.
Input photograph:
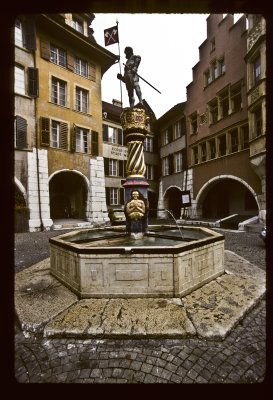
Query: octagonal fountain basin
(166, 262)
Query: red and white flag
(111, 35)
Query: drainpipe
(37, 157)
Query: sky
(169, 48)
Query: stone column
(135, 126)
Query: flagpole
(119, 67)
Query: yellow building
(62, 151)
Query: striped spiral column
(135, 161)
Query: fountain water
(171, 214)
(162, 262)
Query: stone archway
(226, 195)
(68, 195)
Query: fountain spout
(171, 214)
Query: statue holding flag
(131, 78)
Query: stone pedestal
(135, 127)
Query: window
(234, 140)
(113, 167)
(81, 140)
(203, 152)
(114, 196)
(149, 174)
(245, 136)
(165, 137)
(222, 145)
(236, 98)
(224, 104)
(77, 24)
(222, 66)
(178, 161)
(214, 70)
(55, 129)
(19, 80)
(58, 92)
(195, 155)
(20, 132)
(81, 67)
(165, 166)
(213, 112)
(18, 33)
(81, 100)
(257, 69)
(177, 130)
(258, 122)
(112, 135)
(148, 144)
(57, 56)
(53, 133)
(212, 149)
(193, 123)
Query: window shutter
(33, 86)
(94, 143)
(63, 135)
(70, 61)
(106, 166)
(170, 134)
(30, 34)
(44, 131)
(171, 164)
(184, 159)
(45, 49)
(107, 190)
(73, 138)
(21, 132)
(105, 132)
(92, 72)
(119, 136)
(121, 196)
(120, 168)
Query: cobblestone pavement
(240, 358)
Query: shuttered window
(19, 80)
(105, 132)
(21, 132)
(81, 101)
(33, 84)
(81, 67)
(59, 135)
(58, 92)
(57, 56)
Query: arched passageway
(68, 195)
(227, 197)
(173, 201)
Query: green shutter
(21, 132)
(63, 135)
(92, 72)
(45, 49)
(70, 61)
(33, 86)
(44, 131)
(30, 34)
(94, 143)
(73, 138)
(105, 132)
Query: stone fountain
(137, 260)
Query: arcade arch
(68, 192)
